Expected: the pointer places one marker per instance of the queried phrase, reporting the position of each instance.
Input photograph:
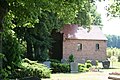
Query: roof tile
(73, 31)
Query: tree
(32, 21)
(88, 15)
(96, 17)
(114, 8)
(113, 41)
(25, 14)
(3, 11)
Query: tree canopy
(33, 21)
(26, 12)
(29, 23)
(113, 41)
(114, 8)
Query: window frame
(97, 46)
(79, 46)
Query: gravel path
(80, 76)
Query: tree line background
(113, 41)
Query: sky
(110, 26)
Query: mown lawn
(101, 75)
(115, 67)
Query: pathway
(80, 76)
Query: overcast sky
(111, 26)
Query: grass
(115, 67)
(102, 75)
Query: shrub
(32, 69)
(97, 62)
(54, 60)
(82, 68)
(88, 64)
(12, 49)
(2, 55)
(60, 68)
(88, 61)
(5, 73)
(71, 58)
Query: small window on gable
(79, 46)
(97, 47)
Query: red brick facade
(92, 43)
(88, 50)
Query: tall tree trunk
(36, 52)
(29, 51)
(3, 12)
(0, 49)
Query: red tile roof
(73, 31)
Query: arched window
(79, 46)
(97, 47)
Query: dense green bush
(82, 68)
(4, 73)
(88, 64)
(60, 68)
(12, 49)
(1, 55)
(54, 60)
(71, 58)
(88, 61)
(32, 69)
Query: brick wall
(88, 49)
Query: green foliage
(114, 9)
(31, 10)
(12, 49)
(2, 55)
(49, 15)
(95, 16)
(60, 68)
(88, 64)
(88, 15)
(113, 52)
(71, 58)
(54, 60)
(88, 61)
(5, 73)
(30, 68)
(82, 68)
(97, 62)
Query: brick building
(84, 44)
(80, 42)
